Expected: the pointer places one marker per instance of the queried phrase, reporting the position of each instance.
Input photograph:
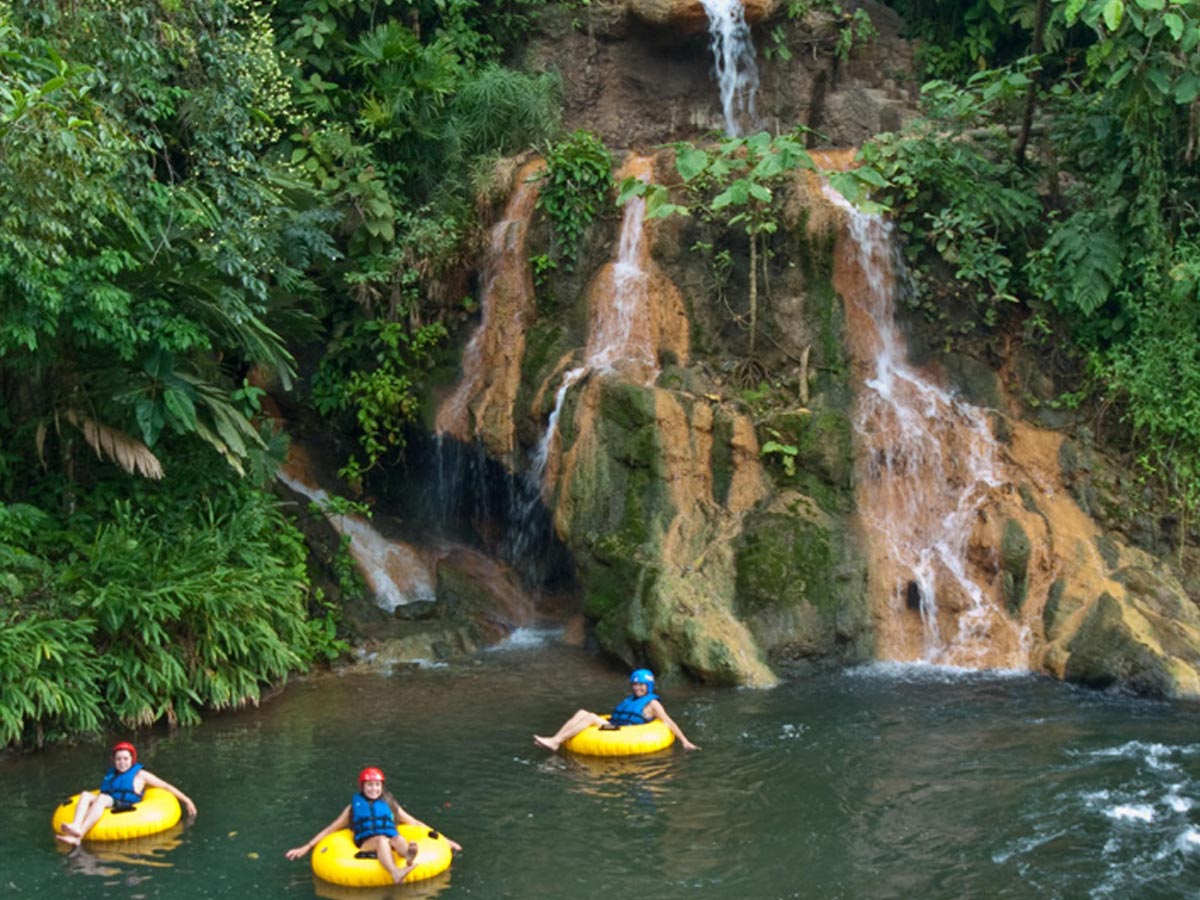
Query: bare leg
(583, 719)
(407, 849)
(94, 812)
(88, 811)
(383, 852)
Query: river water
(901, 782)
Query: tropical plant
(573, 191)
(735, 182)
(368, 373)
(123, 315)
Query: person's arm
(154, 781)
(342, 821)
(403, 815)
(659, 712)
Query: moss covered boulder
(801, 589)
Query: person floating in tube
(121, 789)
(372, 815)
(641, 706)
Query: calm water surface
(875, 783)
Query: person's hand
(296, 852)
(454, 845)
(191, 808)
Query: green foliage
(1090, 236)
(223, 612)
(965, 209)
(574, 187)
(852, 29)
(367, 373)
(165, 611)
(785, 453)
(958, 39)
(346, 572)
(50, 680)
(128, 142)
(736, 184)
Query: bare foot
(402, 874)
(71, 839)
(545, 743)
(71, 828)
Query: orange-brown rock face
(482, 403)
(978, 555)
(630, 473)
(689, 15)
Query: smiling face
(372, 789)
(122, 760)
(639, 688)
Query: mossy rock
(974, 379)
(614, 574)
(1015, 549)
(798, 587)
(1106, 652)
(823, 440)
(1058, 610)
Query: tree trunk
(1035, 49)
(753, 292)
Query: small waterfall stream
(928, 464)
(396, 573)
(492, 359)
(622, 335)
(733, 62)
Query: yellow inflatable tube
(627, 740)
(157, 811)
(335, 860)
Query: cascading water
(622, 333)
(733, 61)
(928, 462)
(471, 493)
(482, 404)
(395, 573)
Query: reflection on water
(111, 858)
(877, 783)
(418, 890)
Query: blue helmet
(642, 676)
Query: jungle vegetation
(198, 200)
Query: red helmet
(370, 774)
(125, 745)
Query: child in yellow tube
(372, 815)
(641, 706)
(122, 787)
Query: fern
(1082, 263)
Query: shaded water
(901, 782)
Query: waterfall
(395, 573)
(622, 334)
(733, 61)
(482, 404)
(928, 463)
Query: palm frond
(129, 453)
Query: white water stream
(928, 463)
(620, 335)
(395, 573)
(492, 358)
(733, 62)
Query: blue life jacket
(369, 818)
(119, 786)
(632, 710)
